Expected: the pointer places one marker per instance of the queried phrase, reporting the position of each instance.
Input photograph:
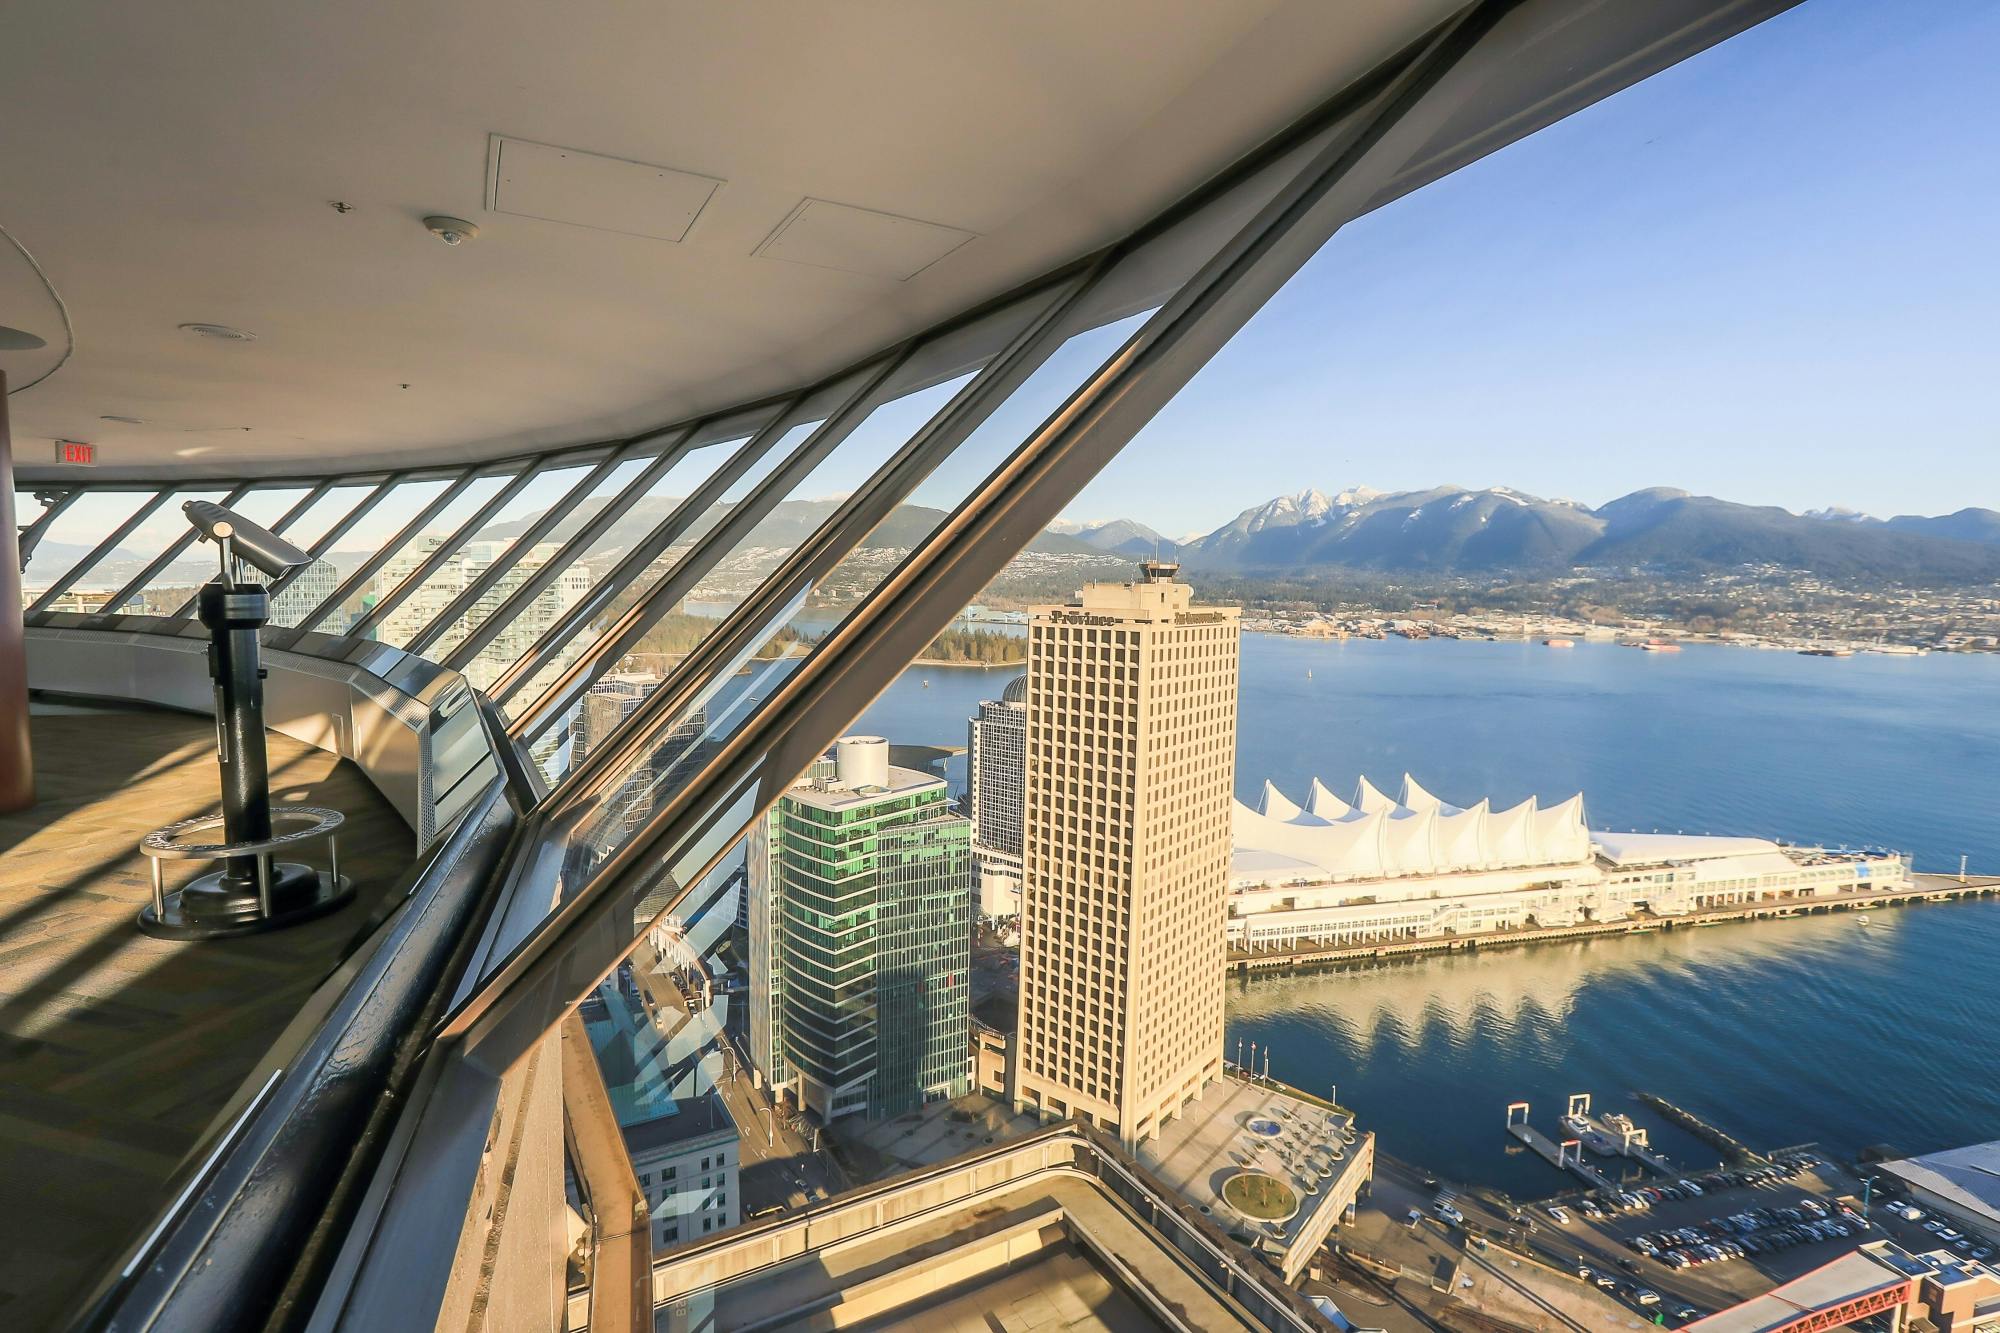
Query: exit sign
(76, 452)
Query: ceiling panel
(268, 168)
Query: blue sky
(1771, 273)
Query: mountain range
(1446, 529)
(788, 524)
(1450, 529)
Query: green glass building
(860, 929)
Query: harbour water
(1811, 1030)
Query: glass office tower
(865, 888)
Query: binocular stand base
(214, 906)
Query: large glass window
(70, 541)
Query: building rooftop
(1853, 1275)
(634, 1058)
(1375, 836)
(1659, 848)
(1239, 1126)
(1011, 1237)
(1967, 1177)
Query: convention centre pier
(1919, 888)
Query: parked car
(1690, 1187)
(1448, 1213)
(1416, 1216)
(1646, 1296)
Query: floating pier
(1614, 1136)
(1564, 1156)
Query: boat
(1657, 646)
(1861, 920)
(1558, 643)
(1826, 652)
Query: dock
(1732, 1148)
(1922, 888)
(1609, 1139)
(1564, 1156)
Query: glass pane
(29, 506)
(320, 516)
(570, 584)
(314, 584)
(600, 562)
(773, 649)
(302, 601)
(480, 551)
(520, 643)
(435, 534)
(169, 589)
(76, 532)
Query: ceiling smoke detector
(451, 231)
(219, 332)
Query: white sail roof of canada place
(1375, 837)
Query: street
(778, 1167)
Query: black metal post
(233, 616)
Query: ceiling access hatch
(860, 240)
(538, 180)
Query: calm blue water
(1817, 1030)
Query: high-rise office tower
(1131, 763)
(861, 938)
(995, 768)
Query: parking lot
(1696, 1250)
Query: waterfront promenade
(1922, 888)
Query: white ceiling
(170, 164)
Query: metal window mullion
(707, 552)
(468, 598)
(813, 559)
(285, 520)
(162, 560)
(29, 537)
(636, 561)
(38, 612)
(544, 577)
(369, 567)
(582, 938)
(436, 560)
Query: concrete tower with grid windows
(1131, 767)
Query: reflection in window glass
(308, 530)
(604, 555)
(635, 794)
(493, 543)
(691, 529)
(76, 532)
(436, 590)
(304, 600)
(568, 587)
(29, 506)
